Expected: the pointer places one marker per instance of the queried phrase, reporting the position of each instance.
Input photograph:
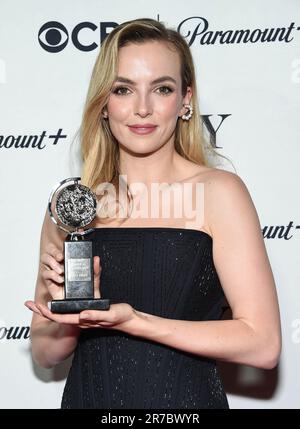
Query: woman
(158, 344)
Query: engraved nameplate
(79, 270)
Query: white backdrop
(255, 82)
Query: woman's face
(137, 97)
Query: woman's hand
(52, 271)
(118, 316)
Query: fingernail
(85, 315)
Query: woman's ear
(188, 95)
(186, 100)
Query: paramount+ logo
(54, 36)
(14, 333)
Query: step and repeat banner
(247, 57)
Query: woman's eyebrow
(158, 80)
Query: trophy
(72, 206)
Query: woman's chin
(142, 149)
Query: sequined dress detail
(167, 272)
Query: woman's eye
(120, 88)
(165, 90)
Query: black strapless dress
(167, 272)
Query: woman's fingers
(52, 271)
(31, 305)
(51, 262)
(73, 319)
(117, 317)
(97, 274)
(52, 276)
(70, 319)
(54, 283)
(53, 250)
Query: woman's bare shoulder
(224, 192)
(216, 180)
(212, 176)
(216, 175)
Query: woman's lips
(142, 130)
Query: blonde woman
(166, 276)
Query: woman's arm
(253, 336)
(51, 342)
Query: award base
(76, 305)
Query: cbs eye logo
(54, 37)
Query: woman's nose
(143, 105)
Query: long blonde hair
(99, 147)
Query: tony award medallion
(72, 206)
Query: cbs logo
(54, 37)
